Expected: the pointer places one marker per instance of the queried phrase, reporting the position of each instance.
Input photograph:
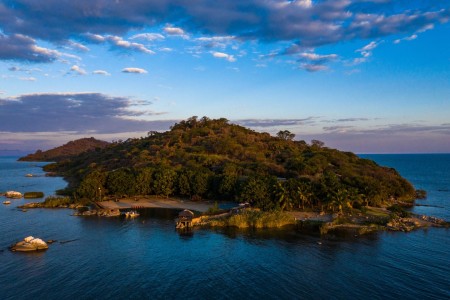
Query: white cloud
(68, 55)
(226, 56)
(148, 36)
(78, 70)
(426, 27)
(317, 57)
(121, 43)
(78, 46)
(134, 70)
(176, 31)
(173, 30)
(366, 51)
(408, 38)
(101, 72)
(95, 38)
(216, 38)
(313, 67)
(27, 78)
(44, 51)
(304, 3)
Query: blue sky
(368, 76)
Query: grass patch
(255, 219)
(377, 212)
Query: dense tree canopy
(205, 158)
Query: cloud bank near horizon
(75, 112)
(42, 121)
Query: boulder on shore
(30, 244)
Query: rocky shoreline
(372, 220)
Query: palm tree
(283, 197)
(304, 193)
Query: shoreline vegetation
(208, 215)
(199, 161)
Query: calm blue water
(146, 258)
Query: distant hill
(70, 149)
(213, 159)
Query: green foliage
(399, 211)
(164, 181)
(93, 186)
(50, 167)
(206, 158)
(121, 182)
(214, 210)
(200, 182)
(143, 183)
(31, 195)
(227, 186)
(184, 183)
(285, 135)
(57, 201)
(257, 190)
(256, 219)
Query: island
(201, 161)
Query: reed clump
(255, 219)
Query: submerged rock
(30, 243)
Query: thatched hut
(184, 219)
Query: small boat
(29, 175)
(6, 202)
(132, 214)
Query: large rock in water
(13, 194)
(30, 244)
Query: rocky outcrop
(409, 224)
(403, 224)
(42, 205)
(13, 194)
(100, 213)
(28, 244)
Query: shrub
(215, 209)
(57, 201)
(399, 211)
(32, 195)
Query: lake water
(146, 258)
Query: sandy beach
(141, 202)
